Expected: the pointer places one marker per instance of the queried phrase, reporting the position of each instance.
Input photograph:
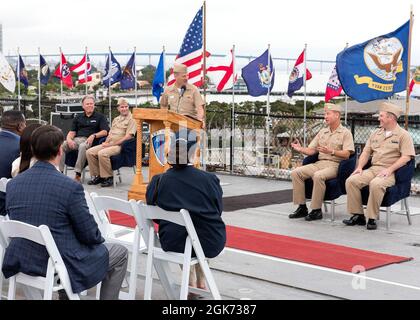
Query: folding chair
(160, 259)
(124, 236)
(41, 235)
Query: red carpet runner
(307, 251)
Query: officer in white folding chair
(185, 187)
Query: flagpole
(345, 97)
(86, 67)
(268, 106)
(61, 75)
(407, 99)
(232, 134)
(109, 85)
(203, 141)
(164, 73)
(304, 100)
(135, 75)
(39, 86)
(18, 72)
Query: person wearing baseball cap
(390, 147)
(182, 97)
(333, 144)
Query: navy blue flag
(159, 79)
(377, 68)
(259, 75)
(128, 80)
(21, 73)
(44, 70)
(112, 74)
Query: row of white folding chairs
(144, 238)
(144, 215)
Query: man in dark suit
(186, 187)
(43, 195)
(12, 125)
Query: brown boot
(78, 177)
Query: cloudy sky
(324, 25)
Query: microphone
(183, 88)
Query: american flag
(191, 52)
(83, 69)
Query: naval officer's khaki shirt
(189, 103)
(340, 139)
(386, 150)
(122, 126)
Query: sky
(251, 25)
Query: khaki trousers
(319, 171)
(81, 146)
(377, 188)
(99, 160)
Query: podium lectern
(160, 120)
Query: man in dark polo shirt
(86, 127)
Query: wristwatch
(333, 152)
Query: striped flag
(83, 69)
(222, 75)
(191, 52)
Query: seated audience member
(333, 144)
(185, 187)
(12, 125)
(43, 195)
(86, 127)
(123, 128)
(26, 159)
(390, 147)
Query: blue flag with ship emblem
(259, 75)
(377, 68)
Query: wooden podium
(158, 119)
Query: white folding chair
(127, 237)
(159, 258)
(41, 235)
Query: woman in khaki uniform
(391, 147)
(333, 144)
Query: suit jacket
(9, 151)
(43, 195)
(200, 193)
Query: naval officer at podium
(182, 97)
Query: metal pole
(345, 97)
(39, 87)
(232, 133)
(109, 87)
(135, 75)
(61, 75)
(268, 107)
(304, 101)
(203, 142)
(407, 99)
(18, 74)
(86, 77)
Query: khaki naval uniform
(187, 105)
(99, 158)
(385, 152)
(324, 169)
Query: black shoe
(95, 181)
(107, 182)
(356, 219)
(62, 295)
(371, 225)
(301, 212)
(314, 215)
